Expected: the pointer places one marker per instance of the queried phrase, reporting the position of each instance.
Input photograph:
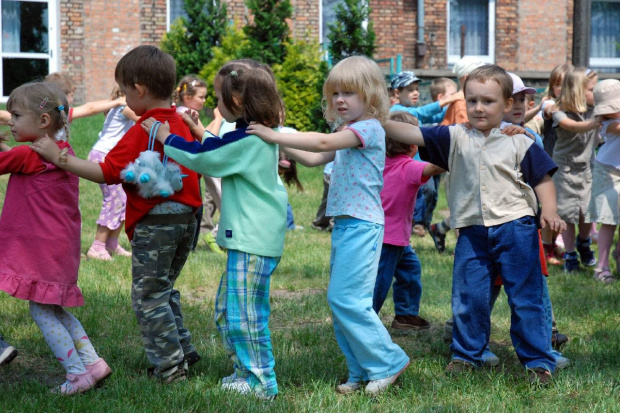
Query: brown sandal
(604, 275)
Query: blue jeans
(481, 254)
(400, 262)
(290, 219)
(426, 202)
(362, 337)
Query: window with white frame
(175, 10)
(327, 16)
(27, 43)
(477, 19)
(605, 36)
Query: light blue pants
(362, 337)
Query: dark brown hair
(187, 87)
(148, 66)
(494, 73)
(39, 98)
(394, 147)
(249, 91)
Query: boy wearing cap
(405, 86)
(603, 207)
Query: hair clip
(43, 103)
(184, 87)
(194, 82)
(178, 89)
(61, 108)
(233, 74)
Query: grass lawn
(309, 363)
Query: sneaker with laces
(192, 358)
(458, 366)
(100, 371)
(410, 322)
(76, 383)
(585, 253)
(538, 376)
(378, 386)
(571, 262)
(348, 387)
(558, 340)
(438, 238)
(7, 352)
(180, 374)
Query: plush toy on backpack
(152, 176)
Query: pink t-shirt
(402, 177)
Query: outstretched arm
(404, 132)
(579, 127)
(309, 158)
(545, 190)
(431, 170)
(48, 149)
(307, 141)
(98, 106)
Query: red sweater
(129, 148)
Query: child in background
(428, 194)
(456, 114)
(494, 235)
(402, 177)
(189, 97)
(406, 88)
(161, 230)
(552, 244)
(252, 222)
(117, 123)
(66, 84)
(40, 227)
(603, 206)
(356, 93)
(574, 153)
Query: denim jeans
(401, 263)
(482, 253)
(426, 202)
(367, 346)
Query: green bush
(300, 80)
(347, 36)
(268, 31)
(232, 45)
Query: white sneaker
(377, 386)
(229, 379)
(348, 387)
(238, 385)
(7, 352)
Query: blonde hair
(38, 98)
(361, 75)
(573, 95)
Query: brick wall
(394, 25)
(436, 14)
(72, 43)
(305, 24)
(507, 33)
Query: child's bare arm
(98, 106)
(48, 149)
(130, 114)
(431, 170)
(403, 132)
(5, 117)
(545, 190)
(579, 127)
(452, 98)
(307, 141)
(216, 124)
(308, 158)
(613, 128)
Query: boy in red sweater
(161, 230)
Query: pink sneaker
(120, 251)
(100, 370)
(76, 383)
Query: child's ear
(44, 120)
(508, 106)
(142, 89)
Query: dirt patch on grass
(292, 295)
(25, 368)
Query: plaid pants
(242, 315)
(159, 253)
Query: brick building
(87, 37)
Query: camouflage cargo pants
(159, 253)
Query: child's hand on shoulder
(512, 130)
(263, 132)
(48, 150)
(551, 220)
(162, 132)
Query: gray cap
(404, 79)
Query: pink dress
(40, 230)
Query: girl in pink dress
(40, 227)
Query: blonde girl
(190, 95)
(355, 92)
(40, 227)
(253, 217)
(606, 177)
(117, 123)
(574, 154)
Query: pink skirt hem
(42, 292)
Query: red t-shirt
(129, 148)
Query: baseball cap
(404, 79)
(518, 86)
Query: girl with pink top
(40, 227)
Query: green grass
(308, 361)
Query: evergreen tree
(347, 36)
(191, 39)
(268, 32)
